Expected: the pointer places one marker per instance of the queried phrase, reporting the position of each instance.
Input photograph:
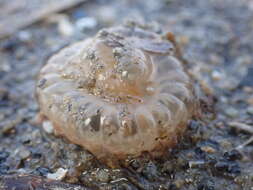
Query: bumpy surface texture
(118, 94)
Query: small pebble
(196, 164)
(183, 40)
(250, 100)
(58, 175)
(48, 127)
(79, 13)
(150, 171)
(250, 110)
(106, 15)
(208, 146)
(208, 149)
(103, 176)
(221, 166)
(234, 168)
(173, 187)
(215, 59)
(5, 67)
(225, 144)
(232, 155)
(168, 167)
(4, 169)
(135, 164)
(42, 171)
(3, 91)
(241, 179)
(206, 185)
(24, 153)
(26, 139)
(216, 75)
(24, 36)
(224, 99)
(248, 79)
(194, 125)
(65, 27)
(231, 112)
(10, 45)
(248, 89)
(228, 166)
(200, 153)
(86, 23)
(3, 156)
(179, 183)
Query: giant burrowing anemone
(120, 93)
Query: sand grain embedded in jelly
(120, 93)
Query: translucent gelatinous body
(118, 94)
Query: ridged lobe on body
(118, 94)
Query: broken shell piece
(58, 175)
(48, 127)
(118, 94)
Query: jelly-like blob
(118, 94)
